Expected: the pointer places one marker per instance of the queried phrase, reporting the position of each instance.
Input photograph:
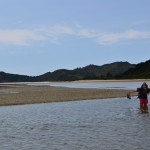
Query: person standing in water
(143, 92)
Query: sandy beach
(15, 94)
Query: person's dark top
(142, 93)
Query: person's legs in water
(146, 105)
(143, 105)
(146, 108)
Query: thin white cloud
(55, 30)
(86, 33)
(109, 38)
(133, 34)
(18, 37)
(54, 33)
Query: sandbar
(17, 94)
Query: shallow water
(110, 124)
(101, 85)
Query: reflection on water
(103, 85)
(114, 124)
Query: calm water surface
(110, 124)
(101, 85)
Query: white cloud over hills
(55, 33)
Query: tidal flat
(16, 94)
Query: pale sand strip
(43, 94)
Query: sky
(39, 36)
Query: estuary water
(106, 124)
(109, 124)
(100, 85)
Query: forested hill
(106, 71)
(7, 77)
(116, 70)
(141, 71)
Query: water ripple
(86, 125)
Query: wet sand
(16, 94)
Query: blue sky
(37, 36)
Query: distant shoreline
(26, 83)
(123, 80)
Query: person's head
(144, 85)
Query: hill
(141, 71)
(7, 77)
(107, 71)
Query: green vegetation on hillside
(141, 71)
(116, 70)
